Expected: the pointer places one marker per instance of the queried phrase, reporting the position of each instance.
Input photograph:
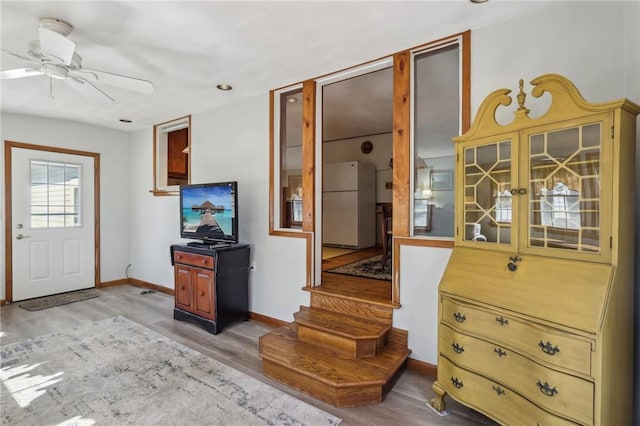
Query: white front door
(53, 220)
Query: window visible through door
(55, 194)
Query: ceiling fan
(54, 56)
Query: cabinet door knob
(512, 265)
(183, 287)
(202, 293)
(204, 261)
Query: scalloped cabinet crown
(536, 303)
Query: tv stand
(211, 283)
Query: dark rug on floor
(58, 299)
(367, 268)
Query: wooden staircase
(340, 350)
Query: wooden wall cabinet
(536, 303)
(177, 158)
(211, 284)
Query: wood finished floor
(236, 346)
(365, 288)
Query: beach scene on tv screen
(208, 210)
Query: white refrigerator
(349, 204)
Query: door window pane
(55, 194)
(436, 86)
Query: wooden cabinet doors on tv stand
(211, 284)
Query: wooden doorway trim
(8, 231)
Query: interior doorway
(356, 162)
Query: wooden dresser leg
(437, 401)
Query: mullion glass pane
(39, 172)
(564, 185)
(55, 194)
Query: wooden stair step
(328, 374)
(356, 337)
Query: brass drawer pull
(498, 390)
(459, 317)
(548, 348)
(457, 383)
(457, 348)
(547, 389)
(502, 320)
(500, 352)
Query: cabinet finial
(521, 97)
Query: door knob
(20, 236)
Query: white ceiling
(186, 48)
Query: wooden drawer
(193, 259)
(541, 342)
(560, 393)
(500, 402)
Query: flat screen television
(209, 212)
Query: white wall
(112, 145)
(227, 144)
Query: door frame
(8, 229)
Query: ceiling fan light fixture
(224, 87)
(57, 25)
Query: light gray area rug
(116, 371)
(58, 299)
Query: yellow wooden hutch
(536, 303)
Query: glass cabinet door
(487, 180)
(564, 187)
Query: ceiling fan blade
(19, 73)
(89, 90)
(56, 45)
(24, 58)
(117, 80)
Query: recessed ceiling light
(124, 120)
(224, 86)
(292, 100)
